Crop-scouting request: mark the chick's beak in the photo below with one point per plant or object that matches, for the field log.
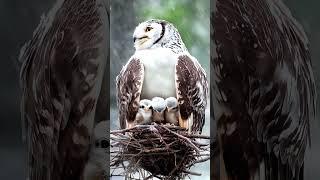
(170, 109)
(148, 108)
(134, 39)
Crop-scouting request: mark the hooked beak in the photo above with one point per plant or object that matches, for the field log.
(159, 110)
(171, 109)
(135, 38)
(148, 108)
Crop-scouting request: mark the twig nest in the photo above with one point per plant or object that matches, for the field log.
(164, 151)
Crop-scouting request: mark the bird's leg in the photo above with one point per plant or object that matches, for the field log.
(184, 123)
(190, 124)
(130, 125)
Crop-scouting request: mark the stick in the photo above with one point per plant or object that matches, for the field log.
(202, 160)
(186, 139)
(197, 136)
(192, 173)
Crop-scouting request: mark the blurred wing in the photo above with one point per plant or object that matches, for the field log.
(61, 77)
(192, 90)
(264, 81)
(129, 86)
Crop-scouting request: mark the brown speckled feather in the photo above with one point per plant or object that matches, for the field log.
(192, 91)
(129, 86)
(61, 77)
(264, 91)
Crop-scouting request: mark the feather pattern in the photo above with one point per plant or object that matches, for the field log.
(192, 90)
(61, 73)
(263, 84)
(129, 86)
(162, 67)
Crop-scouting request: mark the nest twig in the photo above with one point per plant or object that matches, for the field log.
(161, 151)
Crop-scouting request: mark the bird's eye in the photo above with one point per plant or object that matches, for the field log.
(151, 107)
(148, 29)
(142, 106)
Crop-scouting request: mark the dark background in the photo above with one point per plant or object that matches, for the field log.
(18, 19)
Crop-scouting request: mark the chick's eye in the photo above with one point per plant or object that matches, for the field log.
(142, 106)
(148, 29)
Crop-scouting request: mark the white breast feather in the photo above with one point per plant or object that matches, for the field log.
(159, 79)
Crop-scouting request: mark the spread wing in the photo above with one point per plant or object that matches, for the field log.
(129, 86)
(61, 77)
(264, 82)
(192, 90)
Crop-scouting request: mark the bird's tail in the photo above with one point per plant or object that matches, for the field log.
(272, 168)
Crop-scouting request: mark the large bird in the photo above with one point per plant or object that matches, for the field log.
(61, 76)
(162, 66)
(264, 90)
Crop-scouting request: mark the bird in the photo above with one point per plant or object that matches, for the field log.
(264, 90)
(144, 115)
(172, 111)
(162, 67)
(61, 73)
(159, 107)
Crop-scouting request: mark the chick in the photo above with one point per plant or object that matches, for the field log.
(172, 111)
(159, 106)
(144, 115)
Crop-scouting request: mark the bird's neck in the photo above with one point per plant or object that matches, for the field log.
(175, 46)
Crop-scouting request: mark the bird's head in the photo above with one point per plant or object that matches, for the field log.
(145, 105)
(158, 104)
(157, 33)
(172, 104)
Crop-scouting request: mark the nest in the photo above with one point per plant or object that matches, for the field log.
(161, 151)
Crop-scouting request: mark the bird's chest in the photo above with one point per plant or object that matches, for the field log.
(159, 74)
